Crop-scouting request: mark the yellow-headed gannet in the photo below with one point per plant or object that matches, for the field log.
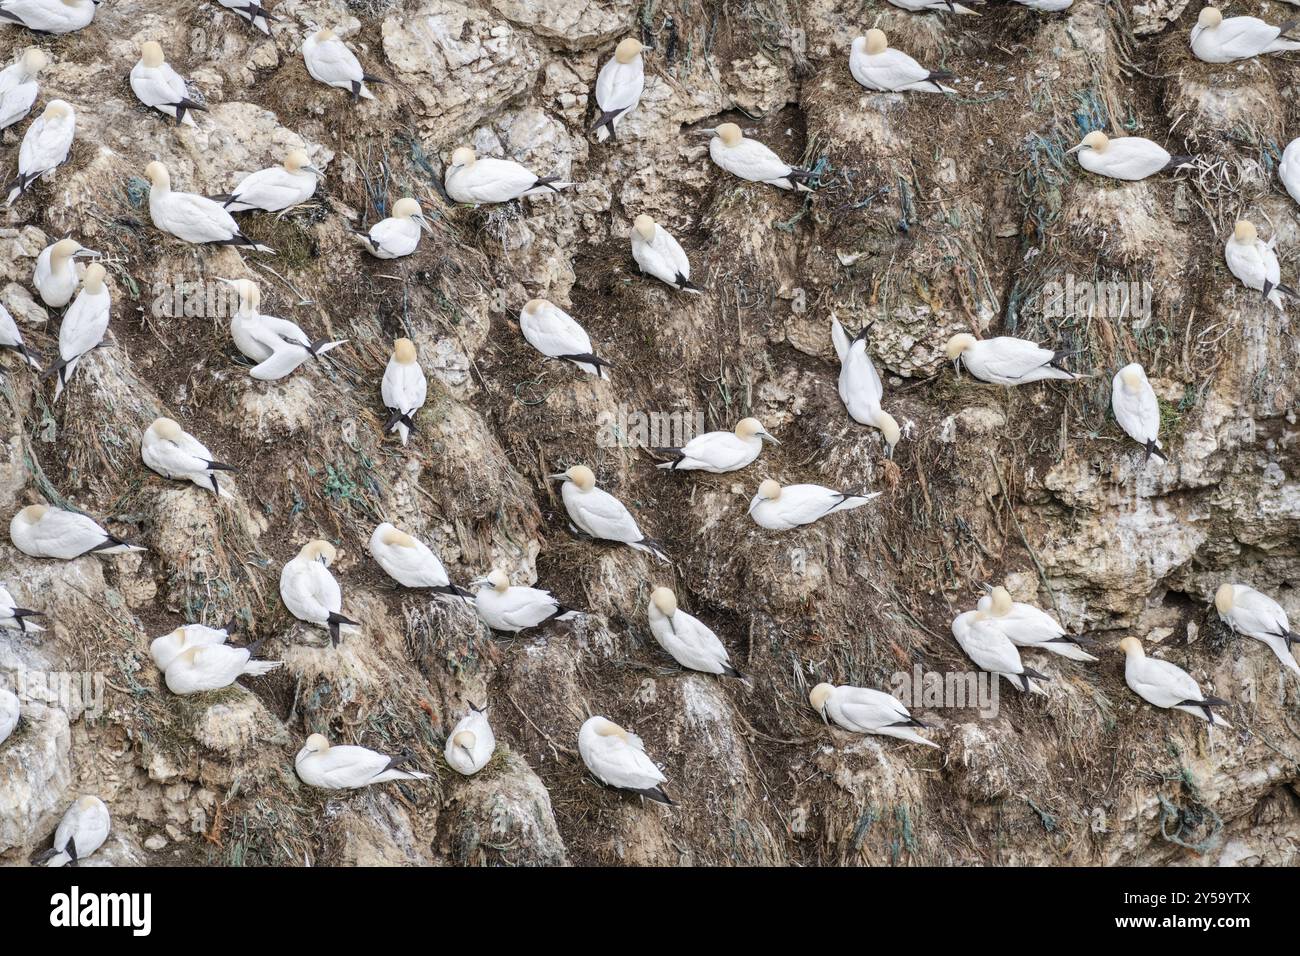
(344, 767)
(399, 234)
(278, 346)
(49, 16)
(617, 758)
(83, 327)
(1167, 685)
(556, 334)
(45, 532)
(503, 607)
(157, 85)
(719, 452)
(11, 337)
(618, 87)
(690, 642)
(1028, 626)
(749, 159)
(877, 67)
(252, 13)
(57, 273)
(174, 453)
(475, 181)
(471, 743)
(658, 254)
(599, 514)
(167, 648)
(310, 592)
(330, 61)
(1256, 615)
(1216, 40)
(18, 86)
(211, 667)
(45, 146)
(1136, 409)
(403, 389)
(9, 713)
(866, 711)
(410, 563)
(992, 651)
(276, 187)
(1253, 261)
(191, 217)
(81, 832)
(1125, 157)
(1007, 361)
(861, 390)
(939, 6)
(14, 617)
(780, 509)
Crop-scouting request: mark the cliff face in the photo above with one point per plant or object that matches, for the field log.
(937, 215)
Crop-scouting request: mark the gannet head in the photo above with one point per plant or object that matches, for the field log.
(605, 727)
(499, 581)
(1097, 141)
(889, 428)
(250, 296)
(158, 176)
(408, 208)
(1132, 376)
(748, 428)
(319, 550)
(404, 351)
(580, 475)
(1132, 647)
(190, 655)
(93, 280)
(1001, 600)
(665, 600)
(397, 538)
(818, 698)
(1244, 231)
(151, 53)
(463, 157)
(297, 161)
(323, 36)
(1225, 598)
(87, 803)
(645, 227)
(58, 109)
(729, 133)
(1209, 18)
(33, 513)
(63, 250)
(768, 490)
(316, 744)
(628, 50)
(877, 42)
(534, 306)
(957, 344)
(465, 740)
(166, 429)
(34, 60)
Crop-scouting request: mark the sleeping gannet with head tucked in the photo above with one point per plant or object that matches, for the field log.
(18, 86)
(157, 85)
(689, 641)
(14, 617)
(42, 531)
(1216, 40)
(618, 87)
(658, 254)
(58, 273)
(1125, 157)
(411, 563)
(278, 346)
(330, 61)
(310, 592)
(399, 234)
(938, 6)
(49, 16)
(403, 389)
(251, 12)
(83, 327)
(344, 767)
(11, 337)
(45, 146)
(719, 452)
(1007, 361)
(866, 711)
(503, 607)
(167, 648)
(9, 713)
(191, 217)
(749, 159)
(174, 453)
(861, 390)
(1167, 685)
(476, 181)
(205, 667)
(1288, 170)
(780, 509)
(1028, 626)
(1256, 615)
(617, 758)
(877, 67)
(471, 743)
(599, 514)
(556, 334)
(994, 652)
(1253, 261)
(276, 187)
(81, 832)
(1136, 408)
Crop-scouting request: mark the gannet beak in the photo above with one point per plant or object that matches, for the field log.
(84, 253)
(560, 477)
(706, 132)
(753, 504)
(478, 583)
(889, 451)
(314, 171)
(988, 588)
(825, 720)
(227, 281)
(423, 223)
(1074, 149)
(764, 436)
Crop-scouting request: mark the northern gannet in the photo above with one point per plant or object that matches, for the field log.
(14, 617)
(191, 217)
(749, 159)
(1253, 261)
(939, 6)
(310, 592)
(1028, 626)
(556, 334)
(9, 713)
(719, 452)
(42, 531)
(1167, 685)
(658, 254)
(1253, 614)
(617, 758)
(83, 327)
(81, 832)
(1136, 409)
(599, 514)
(1046, 6)
(1216, 40)
(330, 61)
(403, 389)
(471, 743)
(687, 640)
(167, 648)
(252, 13)
(513, 609)
(11, 337)
(1007, 361)
(174, 453)
(57, 273)
(157, 85)
(49, 16)
(1288, 170)
(207, 667)
(276, 187)
(276, 345)
(18, 86)
(877, 67)
(618, 87)
(866, 711)
(399, 234)
(475, 181)
(993, 652)
(411, 563)
(861, 390)
(45, 146)
(344, 767)
(780, 509)
(1125, 157)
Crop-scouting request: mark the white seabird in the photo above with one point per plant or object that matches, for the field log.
(719, 452)
(1046, 6)
(1028, 626)
(1007, 361)
(1136, 409)
(18, 86)
(866, 711)
(939, 6)
(780, 509)
(658, 254)
(1288, 169)
(513, 609)
(618, 87)
(1253, 614)
(1167, 685)
(278, 346)
(1253, 261)
(688, 641)
(191, 217)
(411, 563)
(58, 273)
(749, 159)
(476, 181)
(557, 335)
(157, 85)
(45, 146)
(167, 648)
(599, 514)
(471, 743)
(275, 188)
(49, 16)
(399, 234)
(83, 327)
(344, 767)
(171, 451)
(617, 758)
(205, 667)
(1216, 40)
(330, 61)
(9, 713)
(1125, 157)
(11, 337)
(81, 832)
(877, 67)
(861, 390)
(310, 592)
(403, 389)
(993, 652)
(16, 618)
(42, 531)
(252, 13)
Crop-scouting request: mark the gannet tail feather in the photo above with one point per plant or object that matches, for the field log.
(604, 125)
(589, 359)
(450, 590)
(652, 547)
(675, 453)
(655, 793)
(1176, 162)
(321, 346)
(1153, 448)
(729, 671)
(334, 621)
